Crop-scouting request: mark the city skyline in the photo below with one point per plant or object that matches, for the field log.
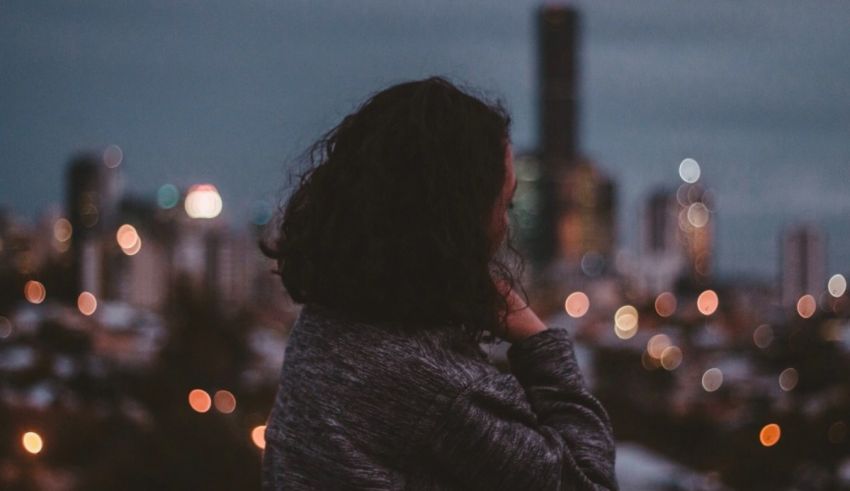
(658, 85)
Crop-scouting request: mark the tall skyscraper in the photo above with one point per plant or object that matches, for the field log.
(86, 204)
(558, 37)
(802, 259)
(662, 256)
(93, 191)
(586, 200)
(575, 229)
(676, 231)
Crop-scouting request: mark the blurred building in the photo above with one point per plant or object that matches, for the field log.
(585, 227)
(575, 220)
(93, 189)
(662, 255)
(141, 254)
(558, 31)
(675, 238)
(136, 250)
(696, 222)
(802, 258)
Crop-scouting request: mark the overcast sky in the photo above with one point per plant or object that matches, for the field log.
(228, 92)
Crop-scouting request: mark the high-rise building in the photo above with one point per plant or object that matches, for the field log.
(586, 201)
(662, 256)
(86, 204)
(558, 37)
(575, 226)
(676, 230)
(140, 268)
(802, 259)
(696, 223)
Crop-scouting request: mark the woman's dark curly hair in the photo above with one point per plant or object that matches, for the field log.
(390, 223)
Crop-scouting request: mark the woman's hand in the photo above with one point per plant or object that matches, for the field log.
(522, 322)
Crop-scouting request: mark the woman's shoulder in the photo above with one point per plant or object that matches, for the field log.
(439, 357)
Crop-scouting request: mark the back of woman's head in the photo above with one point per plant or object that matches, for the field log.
(391, 221)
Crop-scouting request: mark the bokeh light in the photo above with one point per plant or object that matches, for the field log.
(837, 432)
(32, 442)
(656, 345)
(261, 212)
(34, 291)
(806, 306)
(665, 304)
(127, 236)
(671, 357)
(698, 215)
(87, 303)
(592, 263)
(5, 327)
(707, 302)
(577, 304)
(199, 400)
(626, 322)
(837, 285)
(258, 436)
(689, 170)
(113, 156)
(788, 379)
(648, 361)
(128, 239)
(763, 336)
(225, 401)
(769, 434)
(62, 230)
(712, 379)
(203, 201)
(167, 196)
(89, 215)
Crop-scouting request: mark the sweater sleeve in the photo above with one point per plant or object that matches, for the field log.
(535, 428)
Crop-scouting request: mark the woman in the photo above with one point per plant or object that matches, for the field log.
(391, 244)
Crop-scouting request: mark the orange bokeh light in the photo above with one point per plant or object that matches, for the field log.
(707, 302)
(577, 304)
(34, 291)
(258, 436)
(769, 434)
(87, 303)
(200, 400)
(32, 442)
(806, 306)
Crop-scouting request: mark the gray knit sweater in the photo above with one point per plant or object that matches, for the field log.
(369, 406)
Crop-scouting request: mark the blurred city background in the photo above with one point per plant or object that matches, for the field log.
(683, 204)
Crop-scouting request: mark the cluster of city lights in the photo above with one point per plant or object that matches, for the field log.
(224, 402)
(661, 352)
(577, 304)
(200, 401)
(35, 293)
(202, 201)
